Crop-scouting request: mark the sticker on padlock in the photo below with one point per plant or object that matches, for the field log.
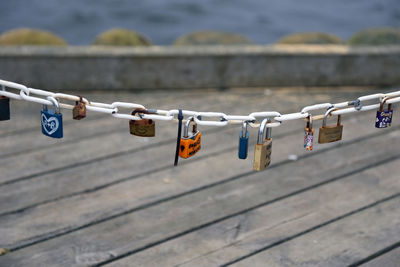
(190, 143)
(243, 142)
(263, 148)
(79, 111)
(4, 108)
(384, 116)
(52, 124)
(330, 133)
(143, 127)
(309, 134)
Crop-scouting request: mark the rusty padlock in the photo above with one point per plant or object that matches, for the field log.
(143, 127)
(79, 111)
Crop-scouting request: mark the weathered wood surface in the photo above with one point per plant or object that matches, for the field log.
(388, 259)
(263, 227)
(338, 243)
(101, 196)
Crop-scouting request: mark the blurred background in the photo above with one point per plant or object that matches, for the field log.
(262, 21)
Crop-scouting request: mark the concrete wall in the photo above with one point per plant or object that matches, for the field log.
(198, 67)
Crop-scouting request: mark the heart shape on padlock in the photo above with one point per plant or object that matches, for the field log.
(50, 125)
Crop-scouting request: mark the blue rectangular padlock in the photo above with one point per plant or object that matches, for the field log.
(52, 124)
(383, 118)
(243, 142)
(243, 145)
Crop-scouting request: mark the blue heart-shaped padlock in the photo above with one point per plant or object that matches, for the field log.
(52, 124)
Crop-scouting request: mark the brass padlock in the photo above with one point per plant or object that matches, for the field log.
(79, 111)
(143, 127)
(190, 144)
(263, 148)
(330, 133)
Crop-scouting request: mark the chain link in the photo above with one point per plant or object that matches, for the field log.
(222, 119)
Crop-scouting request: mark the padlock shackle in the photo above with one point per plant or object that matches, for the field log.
(140, 110)
(55, 103)
(329, 113)
(260, 138)
(244, 129)
(186, 127)
(309, 124)
(80, 100)
(383, 102)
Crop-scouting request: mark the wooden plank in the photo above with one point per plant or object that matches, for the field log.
(389, 259)
(21, 195)
(338, 244)
(124, 234)
(120, 167)
(242, 235)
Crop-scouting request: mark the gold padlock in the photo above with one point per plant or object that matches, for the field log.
(263, 148)
(330, 133)
(143, 127)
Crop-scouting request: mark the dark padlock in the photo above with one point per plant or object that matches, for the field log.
(52, 124)
(143, 127)
(243, 141)
(79, 111)
(4, 108)
(384, 116)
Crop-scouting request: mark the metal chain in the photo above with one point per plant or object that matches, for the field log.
(222, 119)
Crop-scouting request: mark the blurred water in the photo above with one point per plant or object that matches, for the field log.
(263, 21)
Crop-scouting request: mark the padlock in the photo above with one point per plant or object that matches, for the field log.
(309, 134)
(384, 117)
(330, 133)
(52, 124)
(4, 108)
(263, 148)
(79, 111)
(143, 127)
(243, 141)
(190, 143)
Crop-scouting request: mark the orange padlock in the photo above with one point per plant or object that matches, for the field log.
(190, 144)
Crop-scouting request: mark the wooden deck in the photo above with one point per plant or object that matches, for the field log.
(100, 196)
